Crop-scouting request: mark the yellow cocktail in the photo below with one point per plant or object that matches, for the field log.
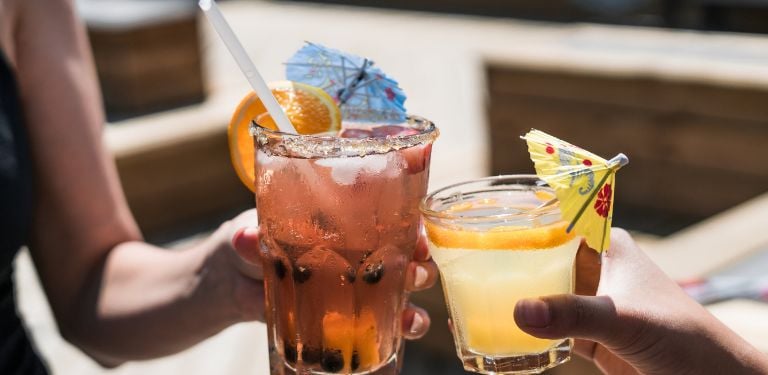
(495, 242)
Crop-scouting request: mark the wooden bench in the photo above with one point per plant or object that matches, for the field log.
(147, 54)
(175, 169)
(696, 148)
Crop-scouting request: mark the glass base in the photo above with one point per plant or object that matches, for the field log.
(278, 366)
(519, 364)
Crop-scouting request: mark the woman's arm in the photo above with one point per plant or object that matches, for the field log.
(112, 295)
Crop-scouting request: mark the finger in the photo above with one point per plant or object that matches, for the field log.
(584, 348)
(246, 244)
(420, 275)
(250, 267)
(421, 254)
(415, 323)
(568, 315)
(587, 270)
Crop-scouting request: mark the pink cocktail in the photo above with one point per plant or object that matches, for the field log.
(340, 220)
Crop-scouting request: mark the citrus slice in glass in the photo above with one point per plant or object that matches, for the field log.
(499, 238)
(310, 109)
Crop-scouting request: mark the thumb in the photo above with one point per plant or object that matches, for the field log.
(246, 244)
(568, 315)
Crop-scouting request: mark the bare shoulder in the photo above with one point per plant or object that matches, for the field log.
(40, 4)
(9, 14)
(47, 31)
(16, 16)
(50, 10)
(42, 16)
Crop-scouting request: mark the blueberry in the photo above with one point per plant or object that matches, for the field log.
(301, 274)
(280, 269)
(333, 360)
(373, 273)
(311, 355)
(350, 275)
(355, 361)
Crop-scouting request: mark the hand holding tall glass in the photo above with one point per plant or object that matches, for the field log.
(338, 210)
(498, 240)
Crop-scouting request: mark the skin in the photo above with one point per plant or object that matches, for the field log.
(114, 296)
(633, 319)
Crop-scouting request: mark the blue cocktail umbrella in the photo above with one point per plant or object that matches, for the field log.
(364, 93)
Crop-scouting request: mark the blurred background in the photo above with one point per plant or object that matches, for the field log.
(680, 86)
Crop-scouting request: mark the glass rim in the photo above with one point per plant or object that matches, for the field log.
(544, 209)
(327, 146)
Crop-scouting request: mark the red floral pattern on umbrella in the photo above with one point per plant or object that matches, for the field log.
(603, 201)
(583, 182)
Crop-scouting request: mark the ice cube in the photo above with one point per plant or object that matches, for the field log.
(374, 163)
(268, 166)
(346, 170)
(267, 161)
(343, 170)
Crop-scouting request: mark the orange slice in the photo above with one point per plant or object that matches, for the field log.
(366, 340)
(499, 238)
(310, 109)
(353, 337)
(338, 334)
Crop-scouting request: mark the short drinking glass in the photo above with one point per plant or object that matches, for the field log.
(497, 240)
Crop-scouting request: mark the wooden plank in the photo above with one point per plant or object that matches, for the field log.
(182, 184)
(634, 91)
(715, 243)
(151, 67)
(552, 10)
(693, 139)
(685, 165)
(138, 57)
(683, 191)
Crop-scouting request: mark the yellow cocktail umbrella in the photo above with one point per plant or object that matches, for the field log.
(583, 182)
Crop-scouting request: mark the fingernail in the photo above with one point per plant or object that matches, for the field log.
(421, 277)
(417, 324)
(251, 231)
(533, 313)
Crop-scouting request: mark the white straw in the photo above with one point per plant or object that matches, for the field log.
(246, 65)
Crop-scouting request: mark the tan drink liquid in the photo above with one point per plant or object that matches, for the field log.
(340, 220)
(485, 284)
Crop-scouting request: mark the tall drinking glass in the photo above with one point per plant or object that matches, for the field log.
(340, 220)
(495, 242)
